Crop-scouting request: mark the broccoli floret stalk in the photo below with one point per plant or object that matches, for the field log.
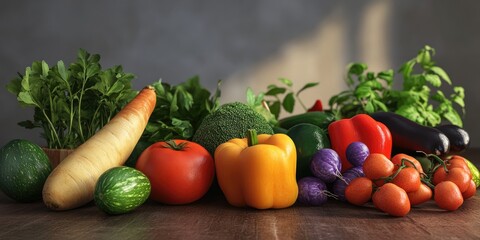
(231, 120)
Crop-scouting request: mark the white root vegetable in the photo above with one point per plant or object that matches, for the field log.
(72, 183)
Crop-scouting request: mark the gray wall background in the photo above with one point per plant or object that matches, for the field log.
(244, 43)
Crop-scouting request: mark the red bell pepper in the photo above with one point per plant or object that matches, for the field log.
(360, 128)
(317, 106)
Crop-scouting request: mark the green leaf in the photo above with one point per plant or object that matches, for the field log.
(26, 80)
(184, 98)
(369, 108)
(159, 88)
(116, 88)
(407, 68)
(28, 124)
(372, 84)
(453, 117)
(424, 57)
(387, 76)
(307, 86)
(356, 68)
(363, 92)
(459, 91)
(275, 91)
(459, 101)
(288, 102)
(341, 98)
(250, 97)
(441, 73)
(433, 79)
(259, 99)
(440, 95)
(62, 71)
(379, 105)
(45, 69)
(275, 108)
(15, 86)
(286, 81)
(26, 98)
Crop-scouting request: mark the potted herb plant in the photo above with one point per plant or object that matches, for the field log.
(71, 103)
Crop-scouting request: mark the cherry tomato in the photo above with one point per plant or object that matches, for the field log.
(459, 177)
(377, 166)
(409, 162)
(391, 199)
(447, 196)
(458, 162)
(359, 191)
(408, 179)
(439, 175)
(471, 190)
(423, 194)
(177, 175)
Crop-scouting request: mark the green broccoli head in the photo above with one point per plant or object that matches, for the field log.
(231, 120)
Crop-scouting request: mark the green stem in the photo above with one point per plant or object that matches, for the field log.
(92, 130)
(53, 132)
(80, 114)
(427, 182)
(174, 146)
(301, 103)
(252, 137)
(52, 128)
(69, 137)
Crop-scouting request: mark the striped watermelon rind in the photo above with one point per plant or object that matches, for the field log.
(121, 190)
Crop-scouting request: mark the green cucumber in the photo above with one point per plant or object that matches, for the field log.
(121, 189)
(320, 119)
(24, 168)
(474, 171)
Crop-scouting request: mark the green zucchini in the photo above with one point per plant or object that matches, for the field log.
(24, 168)
(121, 189)
(320, 119)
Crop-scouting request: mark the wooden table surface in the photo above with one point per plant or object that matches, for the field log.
(213, 218)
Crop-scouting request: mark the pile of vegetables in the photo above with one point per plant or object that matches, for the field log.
(173, 143)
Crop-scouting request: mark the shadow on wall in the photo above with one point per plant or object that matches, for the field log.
(322, 55)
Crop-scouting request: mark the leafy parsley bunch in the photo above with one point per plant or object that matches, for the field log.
(420, 98)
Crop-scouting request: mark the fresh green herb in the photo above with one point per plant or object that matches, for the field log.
(71, 104)
(276, 99)
(420, 98)
(179, 110)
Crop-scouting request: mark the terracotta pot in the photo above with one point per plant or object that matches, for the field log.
(56, 155)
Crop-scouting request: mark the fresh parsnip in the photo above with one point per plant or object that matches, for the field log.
(72, 183)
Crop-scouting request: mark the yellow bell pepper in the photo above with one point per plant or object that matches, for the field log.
(258, 171)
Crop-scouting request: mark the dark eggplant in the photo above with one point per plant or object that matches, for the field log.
(410, 137)
(459, 138)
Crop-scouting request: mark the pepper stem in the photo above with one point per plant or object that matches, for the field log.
(252, 137)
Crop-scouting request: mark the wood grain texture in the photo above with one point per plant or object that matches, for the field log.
(213, 218)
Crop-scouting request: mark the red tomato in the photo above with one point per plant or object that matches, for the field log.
(447, 196)
(459, 177)
(408, 160)
(377, 166)
(458, 162)
(177, 176)
(359, 191)
(471, 190)
(408, 179)
(391, 199)
(423, 194)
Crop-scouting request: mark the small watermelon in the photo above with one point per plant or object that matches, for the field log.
(121, 189)
(24, 168)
